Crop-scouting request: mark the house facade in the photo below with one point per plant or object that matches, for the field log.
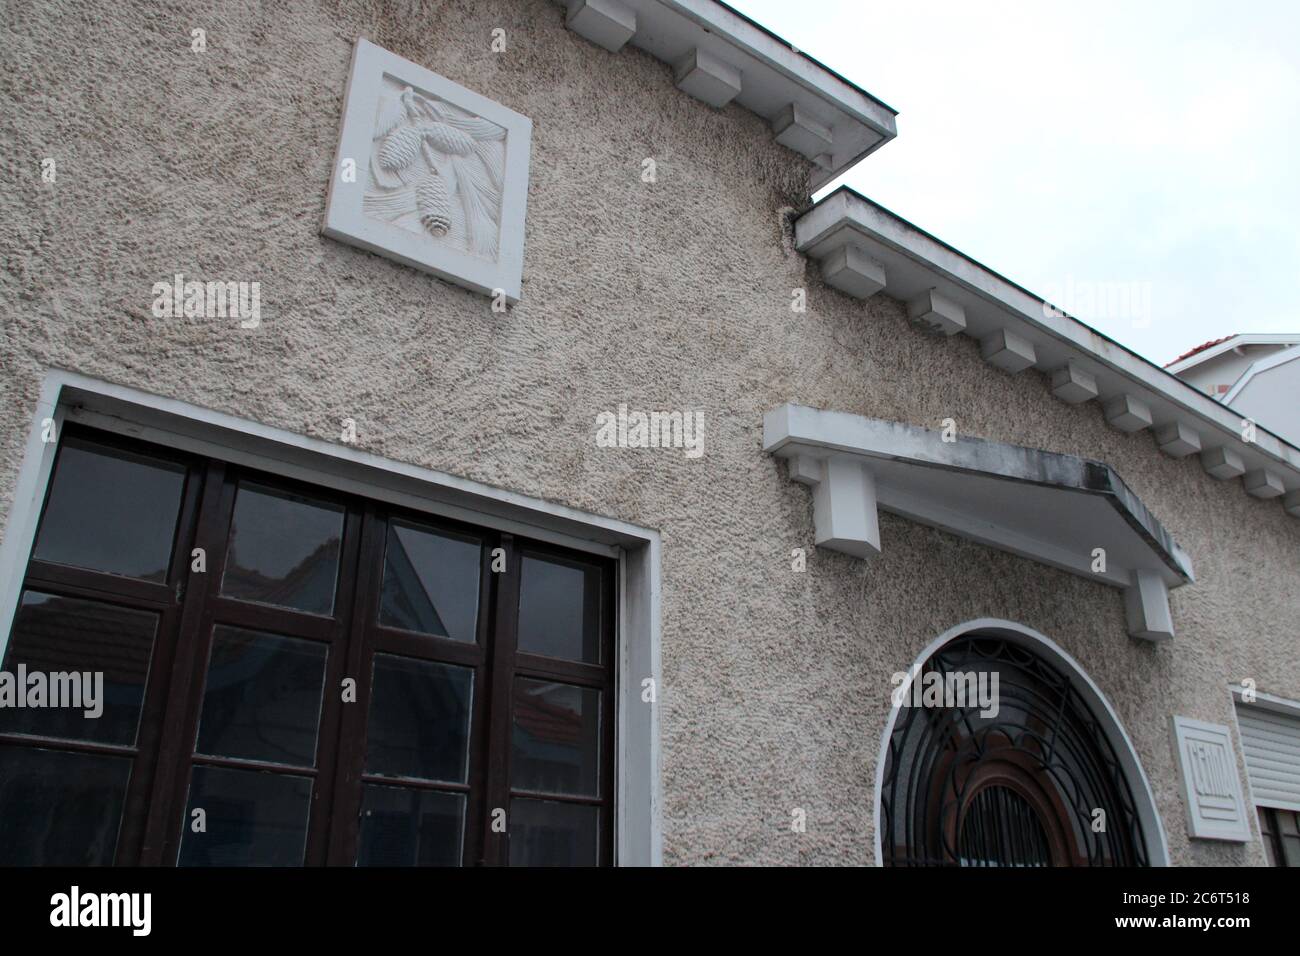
(553, 481)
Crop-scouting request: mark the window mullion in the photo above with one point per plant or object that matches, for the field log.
(153, 725)
(350, 758)
(501, 668)
(351, 603)
(477, 817)
(173, 750)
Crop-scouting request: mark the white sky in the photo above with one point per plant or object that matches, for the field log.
(1147, 146)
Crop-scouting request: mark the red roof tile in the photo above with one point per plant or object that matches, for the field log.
(1200, 348)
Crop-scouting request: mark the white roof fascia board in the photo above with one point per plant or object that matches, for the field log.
(914, 260)
(1227, 345)
(773, 75)
(1263, 365)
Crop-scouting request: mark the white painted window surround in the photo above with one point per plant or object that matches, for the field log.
(70, 397)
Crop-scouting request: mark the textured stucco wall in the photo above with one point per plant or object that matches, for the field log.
(669, 295)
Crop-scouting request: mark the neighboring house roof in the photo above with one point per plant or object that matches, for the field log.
(1215, 348)
(719, 55)
(1263, 365)
(1200, 348)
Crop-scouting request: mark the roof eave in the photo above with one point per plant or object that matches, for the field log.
(720, 56)
(865, 248)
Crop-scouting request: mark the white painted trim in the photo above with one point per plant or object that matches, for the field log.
(1263, 365)
(992, 303)
(769, 74)
(29, 495)
(1157, 845)
(175, 423)
(1252, 818)
(1231, 342)
(1281, 705)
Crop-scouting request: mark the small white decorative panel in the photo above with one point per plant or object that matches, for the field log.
(1211, 787)
(431, 174)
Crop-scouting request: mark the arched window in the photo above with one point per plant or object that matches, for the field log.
(1032, 780)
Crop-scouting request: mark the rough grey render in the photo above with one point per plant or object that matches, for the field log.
(670, 295)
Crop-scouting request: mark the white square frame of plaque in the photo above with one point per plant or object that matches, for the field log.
(459, 140)
(1207, 764)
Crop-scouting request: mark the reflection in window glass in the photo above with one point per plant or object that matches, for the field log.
(430, 582)
(556, 738)
(550, 833)
(1288, 827)
(559, 609)
(252, 818)
(70, 641)
(262, 698)
(284, 550)
(405, 827)
(419, 719)
(60, 809)
(111, 510)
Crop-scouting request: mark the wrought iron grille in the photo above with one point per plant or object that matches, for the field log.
(1000, 828)
(1036, 784)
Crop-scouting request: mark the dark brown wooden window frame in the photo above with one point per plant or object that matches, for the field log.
(1271, 832)
(190, 606)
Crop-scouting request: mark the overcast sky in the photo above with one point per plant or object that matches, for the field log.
(1104, 148)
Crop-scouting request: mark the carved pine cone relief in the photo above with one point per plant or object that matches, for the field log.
(448, 139)
(400, 148)
(434, 204)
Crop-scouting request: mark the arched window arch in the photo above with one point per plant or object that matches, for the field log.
(1019, 784)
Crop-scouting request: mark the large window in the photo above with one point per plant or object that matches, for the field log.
(295, 676)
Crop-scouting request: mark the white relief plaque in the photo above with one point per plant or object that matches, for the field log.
(1211, 787)
(431, 174)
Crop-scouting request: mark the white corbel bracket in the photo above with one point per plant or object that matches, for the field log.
(1146, 607)
(1058, 510)
(844, 503)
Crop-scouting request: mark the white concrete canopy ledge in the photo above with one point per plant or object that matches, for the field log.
(1067, 512)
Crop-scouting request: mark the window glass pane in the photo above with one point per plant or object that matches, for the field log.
(430, 582)
(559, 609)
(1287, 823)
(403, 827)
(262, 697)
(1291, 851)
(550, 833)
(112, 511)
(419, 719)
(284, 550)
(252, 818)
(83, 656)
(556, 738)
(60, 809)
(1265, 827)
